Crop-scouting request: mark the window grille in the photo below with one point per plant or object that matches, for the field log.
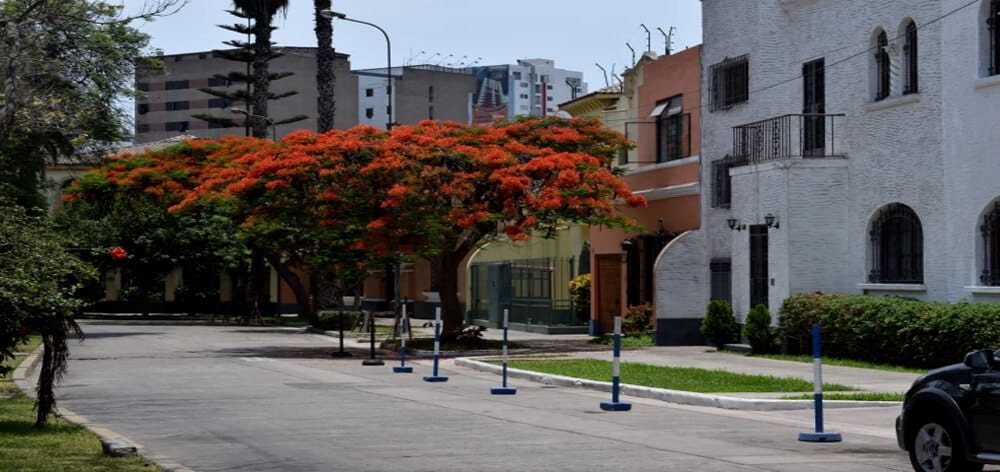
(910, 52)
(897, 246)
(881, 67)
(730, 82)
(722, 182)
(993, 28)
(990, 229)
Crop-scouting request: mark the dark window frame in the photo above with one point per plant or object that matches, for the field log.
(671, 131)
(219, 103)
(142, 108)
(722, 194)
(177, 106)
(369, 92)
(993, 30)
(990, 230)
(177, 84)
(910, 50)
(730, 82)
(882, 66)
(897, 245)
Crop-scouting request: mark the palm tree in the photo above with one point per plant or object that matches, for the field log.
(325, 78)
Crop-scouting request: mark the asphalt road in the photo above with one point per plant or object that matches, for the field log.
(257, 399)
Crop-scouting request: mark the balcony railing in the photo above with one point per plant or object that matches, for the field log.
(792, 136)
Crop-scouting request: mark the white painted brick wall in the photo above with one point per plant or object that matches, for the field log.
(681, 279)
(936, 151)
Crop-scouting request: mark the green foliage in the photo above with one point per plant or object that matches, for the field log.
(758, 331)
(889, 330)
(332, 320)
(719, 325)
(39, 280)
(579, 295)
(638, 319)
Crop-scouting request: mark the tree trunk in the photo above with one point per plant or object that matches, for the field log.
(261, 81)
(302, 299)
(453, 319)
(325, 78)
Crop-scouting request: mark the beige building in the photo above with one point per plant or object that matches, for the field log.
(173, 95)
(422, 92)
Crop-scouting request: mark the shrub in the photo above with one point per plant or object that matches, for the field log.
(579, 295)
(719, 325)
(890, 330)
(638, 319)
(330, 320)
(758, 331)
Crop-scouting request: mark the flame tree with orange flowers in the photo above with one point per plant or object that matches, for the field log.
(364, 197)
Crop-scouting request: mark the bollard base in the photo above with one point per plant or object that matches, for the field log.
(819, 437)
(399, 369)
(616, 406)
(435, 378)
(372, 362)
(503, 390)
(340, 354)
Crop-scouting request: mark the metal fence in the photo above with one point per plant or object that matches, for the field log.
(535, 290)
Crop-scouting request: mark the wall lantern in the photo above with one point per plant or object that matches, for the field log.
(771, 220)
(735, 224)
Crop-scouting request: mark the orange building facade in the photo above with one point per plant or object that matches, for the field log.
(663, 121)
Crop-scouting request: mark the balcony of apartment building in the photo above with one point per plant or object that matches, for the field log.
(791, 136)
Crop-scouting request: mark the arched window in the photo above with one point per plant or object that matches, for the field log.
(910, 55)
(990, 229)
(897, 243)
(993, 36)
(881, 66)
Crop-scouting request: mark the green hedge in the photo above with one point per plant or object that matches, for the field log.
(890, 330)
(329, 320)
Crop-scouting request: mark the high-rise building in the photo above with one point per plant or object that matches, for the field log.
(419, 92)
(530, 87)
(173, 95)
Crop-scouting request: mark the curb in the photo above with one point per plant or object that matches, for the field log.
(671, 396)
(111, 443)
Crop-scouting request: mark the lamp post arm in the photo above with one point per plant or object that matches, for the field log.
(388, 60)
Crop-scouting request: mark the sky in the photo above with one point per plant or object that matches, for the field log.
(575, 33)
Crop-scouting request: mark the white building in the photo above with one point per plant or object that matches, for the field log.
(539, 87)
(865, 133)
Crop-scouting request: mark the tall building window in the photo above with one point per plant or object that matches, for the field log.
(218, 103)
(142, 128)
(218, 82)
(181, 126)
(881, 66)
(910, 55)
(142, 108)
(177, 84)
(143, 86)
(369, 92)
(990, 230)
(897, 246)
(730, 82)
(369, 113)
(173, 106)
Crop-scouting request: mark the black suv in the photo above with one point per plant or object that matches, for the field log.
(951, 416)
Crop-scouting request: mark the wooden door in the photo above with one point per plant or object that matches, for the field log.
(609, 291)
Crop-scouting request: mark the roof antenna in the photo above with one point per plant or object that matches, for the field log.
(606, 83)
(633, 52)
(615, 77)
(648, 37)
(667, 39)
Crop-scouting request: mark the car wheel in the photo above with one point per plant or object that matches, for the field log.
(936, 448)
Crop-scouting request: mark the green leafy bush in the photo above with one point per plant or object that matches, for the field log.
(758, 331)
(890, 330)
(579, 295)
(638, 319)
(719, 325)
(330, 320)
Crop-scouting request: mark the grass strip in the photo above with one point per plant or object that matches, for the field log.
(838, 362)
(60, 447)
(674, 378)
(858, 397)
(637, 340)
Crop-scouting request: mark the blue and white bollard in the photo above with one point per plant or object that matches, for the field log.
(818, 435)
(437, 348)
(614, 404)
(504, 389)
(402, 367)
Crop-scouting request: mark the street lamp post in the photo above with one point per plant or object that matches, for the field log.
(388, 55)
(269, 121)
